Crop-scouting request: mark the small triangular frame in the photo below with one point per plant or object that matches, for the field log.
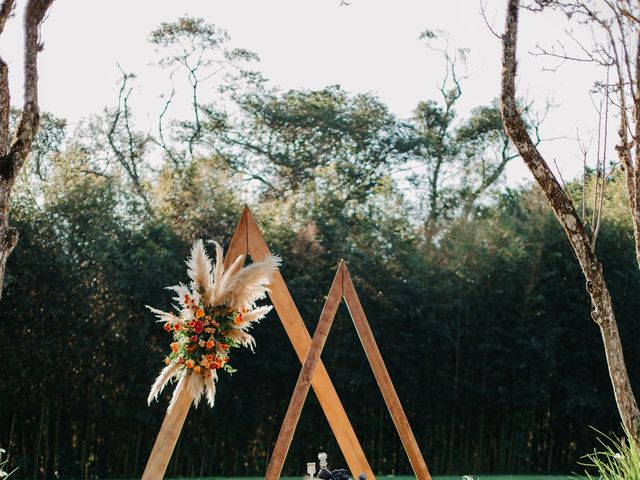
(342, 288)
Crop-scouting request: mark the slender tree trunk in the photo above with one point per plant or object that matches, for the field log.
(564, 210)
(13, 153)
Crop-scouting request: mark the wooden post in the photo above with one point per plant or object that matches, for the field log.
(383, 379)
(301, 341)
(304, 379)
(167, 438)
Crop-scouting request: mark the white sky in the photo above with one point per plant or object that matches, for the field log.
(369, 46)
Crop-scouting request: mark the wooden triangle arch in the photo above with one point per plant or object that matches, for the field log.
(248, 240)
(342, 288)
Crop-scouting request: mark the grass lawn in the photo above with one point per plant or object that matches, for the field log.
(391, 477)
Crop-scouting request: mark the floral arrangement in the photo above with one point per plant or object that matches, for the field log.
(212, 317)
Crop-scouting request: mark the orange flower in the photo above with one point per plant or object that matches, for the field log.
(196, 369)
(224, 346)
(238, 320)
(167, 361)
(194, 338)
(210, 344)
(190, 363)
(175, 346)
(176, 327)
(200, 313)
(209, 358)
(167, 327)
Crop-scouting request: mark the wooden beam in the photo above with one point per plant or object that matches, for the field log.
(239, 244)
(303, 384)
(384, 380)
(167, 438)
(301, 341)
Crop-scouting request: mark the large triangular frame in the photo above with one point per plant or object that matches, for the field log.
(248, 240)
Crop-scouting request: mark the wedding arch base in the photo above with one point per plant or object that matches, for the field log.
(248, 240)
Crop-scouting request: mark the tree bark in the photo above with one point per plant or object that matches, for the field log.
(13, 154)
(564, 210)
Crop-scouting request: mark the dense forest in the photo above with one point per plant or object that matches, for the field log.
(472, 291)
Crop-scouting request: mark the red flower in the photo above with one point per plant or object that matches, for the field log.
(194, 338)
(198, 326)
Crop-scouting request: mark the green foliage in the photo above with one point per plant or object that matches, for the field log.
(486, 335)
(483, 320)
(346, 143)
(620, 459)
(192, 36)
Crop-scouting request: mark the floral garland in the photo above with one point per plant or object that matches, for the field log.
(212, 317)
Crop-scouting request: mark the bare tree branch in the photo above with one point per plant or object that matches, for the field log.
(128, 156)
(483, 13)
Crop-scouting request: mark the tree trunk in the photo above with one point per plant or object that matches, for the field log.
(13, 154)
(564, 210)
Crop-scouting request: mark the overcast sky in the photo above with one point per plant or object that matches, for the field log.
(368, 46)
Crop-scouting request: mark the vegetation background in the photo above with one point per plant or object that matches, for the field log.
(473, 293)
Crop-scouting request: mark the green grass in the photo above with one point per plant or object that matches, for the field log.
(450, 477)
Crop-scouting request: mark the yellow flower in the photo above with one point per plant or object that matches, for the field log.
(200, 313)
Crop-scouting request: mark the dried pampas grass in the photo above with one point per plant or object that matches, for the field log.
(213, 313)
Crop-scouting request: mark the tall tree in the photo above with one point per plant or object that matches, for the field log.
(200, 51)
(582, 243)
(14, 152)
(461, 160)
(285, 141)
